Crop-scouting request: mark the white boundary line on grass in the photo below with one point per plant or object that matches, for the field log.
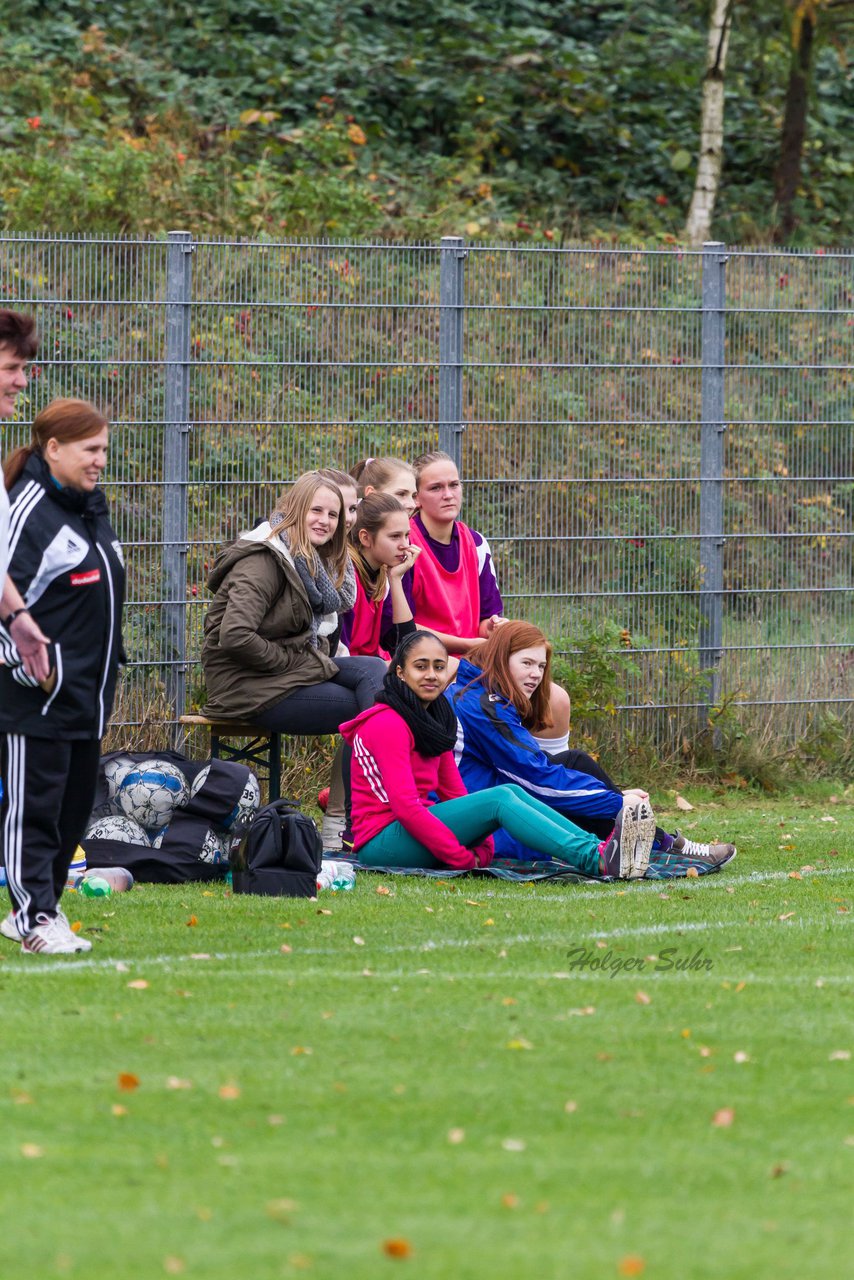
(427, 948)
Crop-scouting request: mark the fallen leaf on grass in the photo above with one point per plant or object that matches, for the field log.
(127, 1081)
(324, 911)
(489, 921)
(723, 1118)
(642, 998)
(683, 804)
(176, 1082)
(192, 922)
(228, 1092)
(570, 1106)
(795, 875)
(285, 949)
(21, 1098)
(385, 892)
(77, 926)
(839, 1055)
(586, 1011)
(118, 1110)
(360, 942)
(741, 1056)
(397, 1248)
(509, 1200)
(138, 984)
(456, 1136)
(692, 873)
(786, 916)
(470, 902)
(631, 1265)
(280, 1210)
(32, 1151)
(174, 1266)
(519, 1043)
(508, 1000)
(299, 1049)
(779, 1169)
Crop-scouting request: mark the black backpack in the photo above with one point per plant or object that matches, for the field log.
(277, 853)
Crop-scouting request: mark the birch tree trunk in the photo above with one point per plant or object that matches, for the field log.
(699, 222)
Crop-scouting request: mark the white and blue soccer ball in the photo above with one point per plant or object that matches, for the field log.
(115, 772)
(215, 848)
(247, 805)
(199, 780)
(124, 830)
(151, 792)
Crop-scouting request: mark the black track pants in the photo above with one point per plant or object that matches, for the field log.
(49, 789)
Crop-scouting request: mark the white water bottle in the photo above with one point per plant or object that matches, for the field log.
(326, 874)
(345, 876)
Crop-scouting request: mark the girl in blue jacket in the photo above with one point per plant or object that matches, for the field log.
(496, 701)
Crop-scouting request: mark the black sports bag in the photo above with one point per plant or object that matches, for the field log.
(276, 853)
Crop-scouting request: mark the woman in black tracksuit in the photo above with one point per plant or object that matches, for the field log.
(66, 561)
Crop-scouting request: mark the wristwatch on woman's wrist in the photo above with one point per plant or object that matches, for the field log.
(16, 613)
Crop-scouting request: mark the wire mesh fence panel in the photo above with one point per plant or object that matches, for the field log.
(651, 460)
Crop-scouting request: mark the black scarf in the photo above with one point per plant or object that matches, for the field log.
(433, 724)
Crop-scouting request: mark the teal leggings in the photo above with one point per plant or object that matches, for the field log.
(472, 818)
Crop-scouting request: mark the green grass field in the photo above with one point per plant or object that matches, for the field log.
(434, 1081)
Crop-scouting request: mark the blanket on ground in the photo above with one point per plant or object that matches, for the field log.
(662, 866)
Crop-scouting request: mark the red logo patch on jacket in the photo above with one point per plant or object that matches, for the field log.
(84, 579)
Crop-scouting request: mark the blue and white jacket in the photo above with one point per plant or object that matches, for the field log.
(494, 748)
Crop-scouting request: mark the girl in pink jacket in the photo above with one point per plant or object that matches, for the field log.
(402, 756)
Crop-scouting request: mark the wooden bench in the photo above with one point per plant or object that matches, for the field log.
(258, 746)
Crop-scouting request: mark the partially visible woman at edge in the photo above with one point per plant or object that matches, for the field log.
(278, 591)
(496, 696)
(454, 587)
(403, 756)
(67, 564)
(382, 555)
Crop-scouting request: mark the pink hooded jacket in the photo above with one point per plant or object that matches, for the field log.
(391, 782)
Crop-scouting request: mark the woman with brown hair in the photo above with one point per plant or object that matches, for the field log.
(497, 698)
(66, 561)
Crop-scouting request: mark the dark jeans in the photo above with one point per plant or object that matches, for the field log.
(321, 708)
(583, 763)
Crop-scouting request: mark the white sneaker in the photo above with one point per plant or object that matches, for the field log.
(52, 936)
(9, 929)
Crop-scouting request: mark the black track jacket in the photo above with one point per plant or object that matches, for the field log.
(66, 561)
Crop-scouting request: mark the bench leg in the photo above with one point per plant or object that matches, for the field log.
(274, 780)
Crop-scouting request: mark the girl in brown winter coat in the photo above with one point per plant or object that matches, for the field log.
(277, 592)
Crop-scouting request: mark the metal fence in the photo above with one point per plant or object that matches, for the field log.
(657, 443)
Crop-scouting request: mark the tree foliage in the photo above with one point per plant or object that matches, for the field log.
(507, 116)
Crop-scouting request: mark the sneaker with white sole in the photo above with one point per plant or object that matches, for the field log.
(9, 929)
(52, 936)
(713, 855)
(625, 854)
